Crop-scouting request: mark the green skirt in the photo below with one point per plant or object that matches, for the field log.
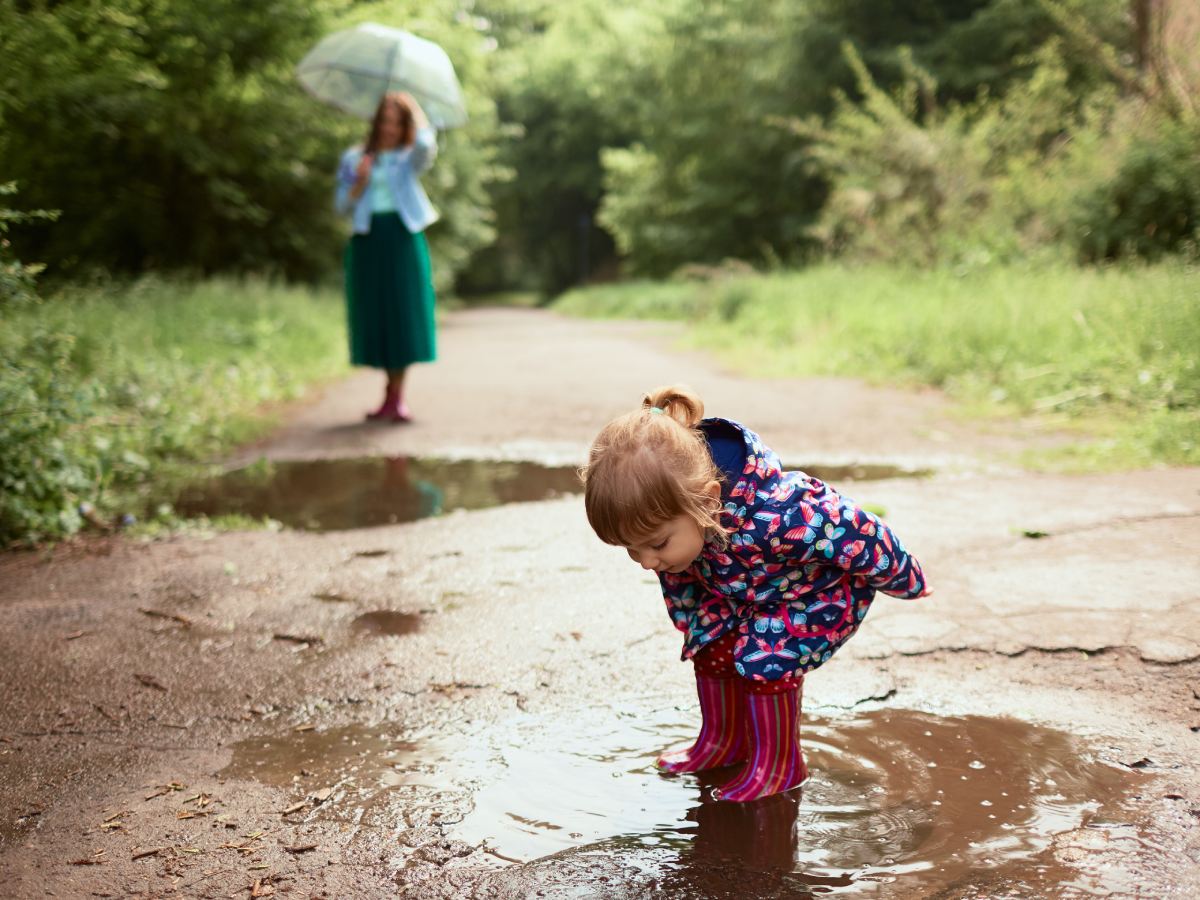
(389, 296)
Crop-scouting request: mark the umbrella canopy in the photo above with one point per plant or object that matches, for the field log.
(353, 69)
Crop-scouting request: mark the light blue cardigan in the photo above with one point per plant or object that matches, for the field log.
(414, 208)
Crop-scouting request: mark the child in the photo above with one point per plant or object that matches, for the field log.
(765, 572)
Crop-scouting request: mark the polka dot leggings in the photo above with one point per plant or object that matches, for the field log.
(715, 660)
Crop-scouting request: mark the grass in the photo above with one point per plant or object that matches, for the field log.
(109, 393)
(1112, 352)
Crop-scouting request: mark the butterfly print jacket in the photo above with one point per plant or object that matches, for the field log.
(801, 569)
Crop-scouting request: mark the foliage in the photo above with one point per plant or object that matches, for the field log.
(565, 88)
(16, 278)
(169, 132)
(1113, 348)
(106, 391)
(173, 136)
(1038, 171)
(1151, 206)
(916, 182)
(708, 178)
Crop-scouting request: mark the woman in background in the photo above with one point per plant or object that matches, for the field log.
(389, 288)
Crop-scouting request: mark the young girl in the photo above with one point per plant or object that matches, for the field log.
(389, 289)
(767, 573)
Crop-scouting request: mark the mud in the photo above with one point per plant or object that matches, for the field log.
(468, 704)
(386, 622)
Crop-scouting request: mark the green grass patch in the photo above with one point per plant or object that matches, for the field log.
(109, 394)
(1112, 351)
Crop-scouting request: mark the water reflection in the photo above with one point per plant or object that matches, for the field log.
(333, 495)
(898, 799)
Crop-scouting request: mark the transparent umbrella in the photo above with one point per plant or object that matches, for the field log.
(353, 69)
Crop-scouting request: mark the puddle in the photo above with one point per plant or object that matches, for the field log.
(386, 622)
(897, 798)
(339, 494)
(859, 472)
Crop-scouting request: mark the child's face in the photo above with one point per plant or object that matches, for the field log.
(671, 547)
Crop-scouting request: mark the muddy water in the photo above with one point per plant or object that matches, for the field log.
(898, 801)
(337, 494)
(386, 622)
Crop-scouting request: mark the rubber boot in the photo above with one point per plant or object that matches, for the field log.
(776, 763)
(391, 399)
(722, 739)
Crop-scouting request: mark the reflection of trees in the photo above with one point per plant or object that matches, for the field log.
(338, 494)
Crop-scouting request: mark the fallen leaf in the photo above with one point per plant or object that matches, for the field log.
(295, 807)
(166, 789)
(152, 852)
(75, 634)
(299, 638)
(333, 597)
(158, 614)
(307, 727)
(150, 681)
(301, 848)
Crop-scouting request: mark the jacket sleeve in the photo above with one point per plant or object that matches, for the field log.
(834, 532)
(424, 150)
(342, 201)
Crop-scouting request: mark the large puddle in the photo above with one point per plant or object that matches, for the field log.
(338, 494)
(898, 801)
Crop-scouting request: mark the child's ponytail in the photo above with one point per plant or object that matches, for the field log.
(680, 403)
(643, 470)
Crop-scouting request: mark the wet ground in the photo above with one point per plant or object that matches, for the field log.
(468, 704)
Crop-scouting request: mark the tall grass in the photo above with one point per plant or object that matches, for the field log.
(106, 391)
(1116, 349)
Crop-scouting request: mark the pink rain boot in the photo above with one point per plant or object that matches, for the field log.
(393, 409)
(391, 397)
(776, 762)
(722, 740)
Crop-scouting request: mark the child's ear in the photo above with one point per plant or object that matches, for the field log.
(713, 489)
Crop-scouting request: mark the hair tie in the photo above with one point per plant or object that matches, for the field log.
(656, 410)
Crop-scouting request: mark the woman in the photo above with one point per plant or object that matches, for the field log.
(389, 291)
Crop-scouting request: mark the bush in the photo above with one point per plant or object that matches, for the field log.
(16, 278)
(108, 393)
(48, 468)
(1151, 207)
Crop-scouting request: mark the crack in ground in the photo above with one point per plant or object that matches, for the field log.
(1013, 654)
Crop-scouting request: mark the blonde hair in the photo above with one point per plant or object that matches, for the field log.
(649, 466)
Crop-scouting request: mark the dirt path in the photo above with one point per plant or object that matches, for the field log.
(407, 709)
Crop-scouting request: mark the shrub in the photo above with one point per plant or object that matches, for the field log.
(1151, 207)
